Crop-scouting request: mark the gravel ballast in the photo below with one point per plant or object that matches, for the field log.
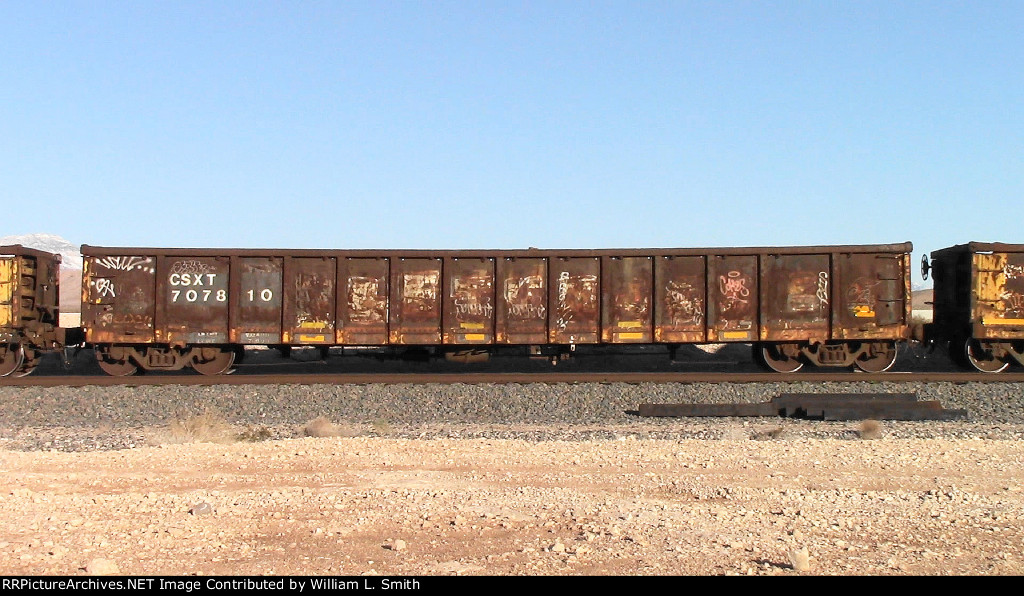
(120, 417)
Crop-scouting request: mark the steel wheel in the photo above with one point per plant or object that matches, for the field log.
(981, 358)
(771, 356)
(11, 358)
(880, 358)
(115, 367)
(213, 361)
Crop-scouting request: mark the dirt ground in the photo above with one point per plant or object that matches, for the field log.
(365, 505)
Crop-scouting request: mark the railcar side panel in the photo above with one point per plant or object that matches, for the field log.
(363, 301)
(871, 296)
(256, 300)
(469, 301)
(680, 299)
(119, 298)
(798, 296)
(574, 313)
(997, 295)
(309, 300)
(416, 301)
(795, 297)
(732, 298)
(627, 309)
(522, 301)
(192, 300)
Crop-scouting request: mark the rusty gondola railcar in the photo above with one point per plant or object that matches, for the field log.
(173, 308)
(978, 304)
(29, 307)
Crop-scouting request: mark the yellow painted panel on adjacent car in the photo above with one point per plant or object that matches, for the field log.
(991, 278)
(8, 275)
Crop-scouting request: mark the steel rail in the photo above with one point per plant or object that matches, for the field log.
(476, 378)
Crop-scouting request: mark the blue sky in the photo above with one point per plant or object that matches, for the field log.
(512, 124)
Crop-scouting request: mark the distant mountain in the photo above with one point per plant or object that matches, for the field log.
(71, 256)
(70, 266)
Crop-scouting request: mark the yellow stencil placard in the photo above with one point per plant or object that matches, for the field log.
(735, 334)
(987, 321)
(863, 311)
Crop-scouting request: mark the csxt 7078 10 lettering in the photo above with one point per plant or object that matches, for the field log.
(173, 308)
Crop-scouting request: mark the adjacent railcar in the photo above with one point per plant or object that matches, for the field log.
(29, 310)
(978, 303)
(171, 308)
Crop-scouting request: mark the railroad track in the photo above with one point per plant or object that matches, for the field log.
(475, 378)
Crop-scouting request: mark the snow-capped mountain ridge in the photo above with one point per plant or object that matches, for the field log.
(71, 256)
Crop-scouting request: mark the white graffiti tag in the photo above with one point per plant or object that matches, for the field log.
(684, 304)
(734, 286)
(124, 263)
(105, 288)
(190, 267)
(823, 287)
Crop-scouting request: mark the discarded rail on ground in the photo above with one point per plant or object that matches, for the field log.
(818, 406)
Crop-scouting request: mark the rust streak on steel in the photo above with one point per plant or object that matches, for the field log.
(505, 378)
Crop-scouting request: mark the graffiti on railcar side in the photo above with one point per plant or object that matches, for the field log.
(190, 267)
(105, 287)
(807, 292)
(1013, 305)
(634, 303)
(126, 263)
(861, 297)
(734, 290)
(684, 303)
(365, 302)
(472, 296)
(1013, 289)
(313, 300)
(577, 295)
(420, 291)
(525, 297)
(141, 319)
